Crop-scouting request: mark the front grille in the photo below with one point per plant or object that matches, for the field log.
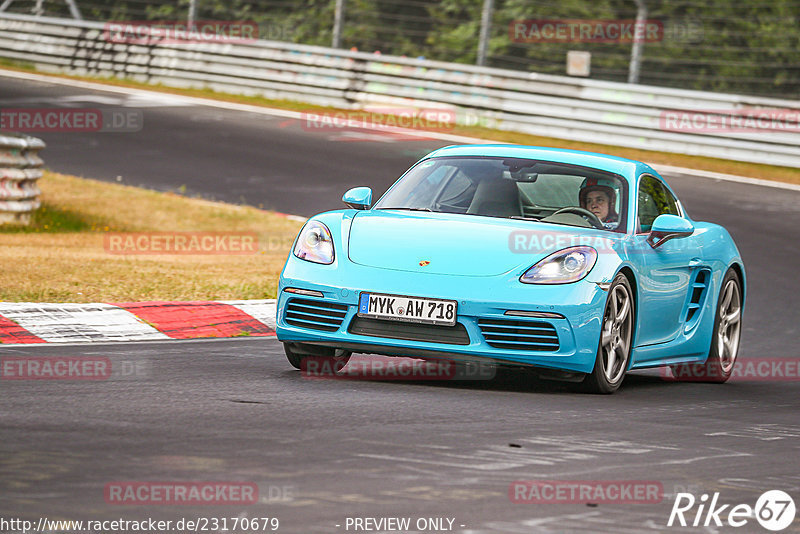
(453, 335)
(517, 334)
(315, 314)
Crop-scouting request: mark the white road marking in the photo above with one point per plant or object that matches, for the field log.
(88, 98)
(698, 458)
(765, 432)
(544, 451)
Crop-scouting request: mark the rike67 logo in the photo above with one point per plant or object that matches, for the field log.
(774, 510)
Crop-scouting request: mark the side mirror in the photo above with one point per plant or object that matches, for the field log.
(358, 198)
(667, 227)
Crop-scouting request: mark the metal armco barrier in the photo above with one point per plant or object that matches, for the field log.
(20, 168)
(552, 106)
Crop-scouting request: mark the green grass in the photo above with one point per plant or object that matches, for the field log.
(55, 219)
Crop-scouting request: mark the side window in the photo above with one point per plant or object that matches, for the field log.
(654, 200)
(672, 203)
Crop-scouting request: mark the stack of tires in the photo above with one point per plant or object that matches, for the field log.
(20, 168)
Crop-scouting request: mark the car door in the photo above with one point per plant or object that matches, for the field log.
(666, 272)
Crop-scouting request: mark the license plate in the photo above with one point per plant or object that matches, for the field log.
(409, 309)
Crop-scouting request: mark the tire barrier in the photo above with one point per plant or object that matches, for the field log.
(20, 169)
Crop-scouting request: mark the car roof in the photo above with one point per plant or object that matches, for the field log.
(627, 168)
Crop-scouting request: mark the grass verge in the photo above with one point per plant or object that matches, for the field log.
(62, 256)
(753, 170)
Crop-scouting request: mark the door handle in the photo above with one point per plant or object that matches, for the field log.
(695, 262)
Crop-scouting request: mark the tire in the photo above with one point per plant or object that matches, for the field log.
(616, 339)
(296, 353)
(725, 337)
(295, 359)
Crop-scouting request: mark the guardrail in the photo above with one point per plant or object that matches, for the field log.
(551, 106)
(20, 168)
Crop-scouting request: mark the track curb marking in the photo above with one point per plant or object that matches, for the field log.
(27, 323)
(12, 333)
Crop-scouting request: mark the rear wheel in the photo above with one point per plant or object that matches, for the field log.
(296, 353)
(718, 367)
(614, 349)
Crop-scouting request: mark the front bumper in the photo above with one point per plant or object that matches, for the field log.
(480, 299)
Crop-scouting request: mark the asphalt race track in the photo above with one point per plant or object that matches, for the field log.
(234, 410)
(323, 451)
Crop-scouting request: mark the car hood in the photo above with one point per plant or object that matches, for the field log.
(455, 244)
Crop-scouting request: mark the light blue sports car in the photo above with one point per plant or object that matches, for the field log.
(580, 265)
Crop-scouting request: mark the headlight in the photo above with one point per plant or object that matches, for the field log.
(562, 267)
(315, 243)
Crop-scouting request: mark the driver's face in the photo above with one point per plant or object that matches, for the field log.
(597, 203)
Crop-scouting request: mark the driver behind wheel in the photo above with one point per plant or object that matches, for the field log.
(599, 197)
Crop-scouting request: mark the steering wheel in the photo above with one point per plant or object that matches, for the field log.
(592, 219)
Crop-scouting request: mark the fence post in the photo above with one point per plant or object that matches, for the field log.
(486, 31)
(73, 10)
(338, 22)
(638, 42)
(192, 13)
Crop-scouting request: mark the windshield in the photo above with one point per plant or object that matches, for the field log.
(512, 188)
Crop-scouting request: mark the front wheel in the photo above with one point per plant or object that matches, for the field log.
(718, 367)
(296, 353)
(614, 348)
